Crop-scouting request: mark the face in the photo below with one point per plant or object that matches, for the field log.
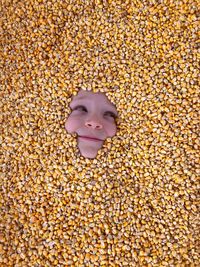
(93, 119)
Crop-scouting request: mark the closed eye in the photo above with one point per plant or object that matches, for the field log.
(80, 108)
(111, 114)
(83, 108)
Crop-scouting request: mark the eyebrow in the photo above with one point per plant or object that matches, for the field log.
(110, 109)
(79, 98)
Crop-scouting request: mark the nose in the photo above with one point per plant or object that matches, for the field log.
(93, 124)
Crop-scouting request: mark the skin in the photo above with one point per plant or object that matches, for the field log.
(92, 115)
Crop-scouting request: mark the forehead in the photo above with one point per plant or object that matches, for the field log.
(92, 96)
(95, 97)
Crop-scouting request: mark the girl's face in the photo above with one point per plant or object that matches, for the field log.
(93, 119)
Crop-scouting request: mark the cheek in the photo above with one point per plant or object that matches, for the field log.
(111, 130)
(72, 124)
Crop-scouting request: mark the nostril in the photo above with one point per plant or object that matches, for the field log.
(94, 125)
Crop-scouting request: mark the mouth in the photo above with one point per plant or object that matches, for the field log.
(90, 138)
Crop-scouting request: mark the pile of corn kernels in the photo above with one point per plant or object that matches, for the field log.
(136, 203)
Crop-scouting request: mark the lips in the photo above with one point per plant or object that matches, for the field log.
(90, 138)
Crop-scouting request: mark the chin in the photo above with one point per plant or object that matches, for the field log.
(88, 152)
(89, 155)
(89, 149)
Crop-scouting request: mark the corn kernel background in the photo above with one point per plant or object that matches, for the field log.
(136, 204)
